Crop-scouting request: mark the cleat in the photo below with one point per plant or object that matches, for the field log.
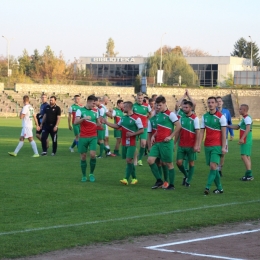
(158, 184)
(220, 173)
(36, 155)
(99, 157)
(43, 153)
(134, 181)
(170, 187)
(12, 154)
(140, 163)
(124, 181)
(71, 150)
(108, 154)
(184, 181)
(52, 154)
(187, 184)
(112, 155)
(247, 178)
(165, 185)
(217, 191)
(84, 179)
(92, 178)
(206, 191)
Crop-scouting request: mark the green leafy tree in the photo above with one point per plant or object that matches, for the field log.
(110, 52)
(137, 84)
(25, 63)
(242, 48)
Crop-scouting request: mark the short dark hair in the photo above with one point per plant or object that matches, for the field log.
(188, 103)
(184, 100)
(150, 100)
(91, 98)
(76, 96)
(128, 103)
(119, 101)
(160, 99)
(53, 97)
(25, 98)
(219, 97)
(154, 95)
(212, 98)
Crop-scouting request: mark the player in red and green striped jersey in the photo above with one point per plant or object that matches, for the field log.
(88, 120)
(131, 126)
(162, 142)
(215, 125)
(245, 140)
(143, 110)
(117, 114)
(188, 141)
(71, 118)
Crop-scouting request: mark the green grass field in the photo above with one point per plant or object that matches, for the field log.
(45, 207)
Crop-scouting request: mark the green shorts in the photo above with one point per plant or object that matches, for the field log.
(128, 151)
(245, 149)
(163, 150)
(85, 142)
(117, 133)
(186, 153)
(213, 154)
(144, 135)
(101, 134)
(76, 129)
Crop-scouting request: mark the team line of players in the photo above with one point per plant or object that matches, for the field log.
(160, 129)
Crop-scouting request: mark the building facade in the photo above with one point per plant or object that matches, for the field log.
(121, 71)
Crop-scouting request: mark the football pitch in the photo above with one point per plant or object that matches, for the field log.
(45, 206)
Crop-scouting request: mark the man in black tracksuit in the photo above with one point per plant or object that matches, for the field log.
(49, 125)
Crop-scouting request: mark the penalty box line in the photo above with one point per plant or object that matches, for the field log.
(125, 218)
(161, 249)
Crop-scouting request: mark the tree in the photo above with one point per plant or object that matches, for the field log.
(111, 48)
(189, 52)
(25, 63)
(242, 48)
(168, 49)
(137, 84)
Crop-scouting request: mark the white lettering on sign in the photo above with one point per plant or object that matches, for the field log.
(113, 59)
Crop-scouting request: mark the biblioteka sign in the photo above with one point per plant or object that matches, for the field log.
(113, 59)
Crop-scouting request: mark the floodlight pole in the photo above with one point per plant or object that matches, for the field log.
(251, 53)
(161, 57)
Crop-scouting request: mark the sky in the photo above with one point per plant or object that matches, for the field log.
(82, 27)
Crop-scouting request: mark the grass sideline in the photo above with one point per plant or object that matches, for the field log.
(46, 191)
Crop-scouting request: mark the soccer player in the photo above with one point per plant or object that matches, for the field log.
(71, 117)
(101, 129)
(188, 141)
(153, 107)
(39, 117)
(88, 120)
(117, 114)
(162, 142)
(245, 140)
(215, 125)
(143, 110)
(104, 101)
(27, 115)
(131, 127)
(161, 166)
(226, 113)
(49, 125)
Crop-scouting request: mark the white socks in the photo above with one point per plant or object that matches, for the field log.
(18, 148)
(34, 147)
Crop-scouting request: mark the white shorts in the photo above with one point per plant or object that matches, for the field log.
(226, 145)
(27, 132)
(107, 133)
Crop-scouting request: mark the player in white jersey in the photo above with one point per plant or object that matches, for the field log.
(27, 115)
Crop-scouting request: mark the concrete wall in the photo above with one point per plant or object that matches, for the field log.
(204, 92)
(1, 86)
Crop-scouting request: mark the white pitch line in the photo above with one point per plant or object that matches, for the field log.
(196, 254)
(126, 218)
(204, 238)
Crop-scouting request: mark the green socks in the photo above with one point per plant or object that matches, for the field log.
(165, 172)
(129, 170)
(101, 149)
(183, 170)
(92, 165)
(116, 152)
(83, 165)
(155, 171)
(186, 164)
(160, 170)
(190, 174)
(141, 153)
(248, 173)
(73, 144)
(214, 176)
(171, 176)
(133, 172)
